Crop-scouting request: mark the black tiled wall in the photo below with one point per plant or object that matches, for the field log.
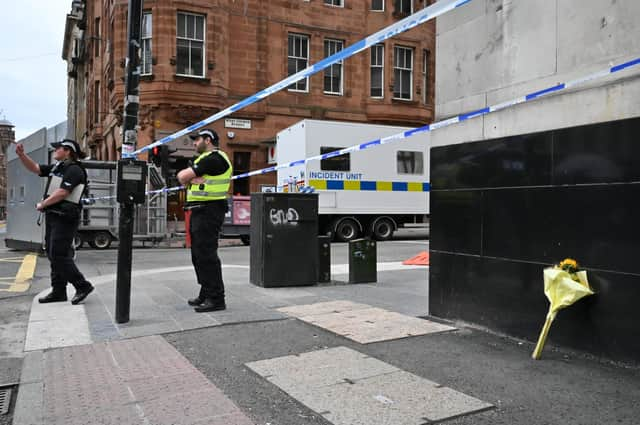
(503, 209)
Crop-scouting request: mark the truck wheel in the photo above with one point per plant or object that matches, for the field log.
(77, 242)
(245, 239)
(101, 240)
(347, 230)
(382, 228)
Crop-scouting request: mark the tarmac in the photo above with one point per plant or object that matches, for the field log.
(335, 353)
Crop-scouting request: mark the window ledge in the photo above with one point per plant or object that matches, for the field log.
(405, 101)
(192, 79)
(147, 77)
(400, 15)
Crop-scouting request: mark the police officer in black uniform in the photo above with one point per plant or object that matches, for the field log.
(207, 182)
(62, 207)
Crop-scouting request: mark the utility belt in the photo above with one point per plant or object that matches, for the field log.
(64, 208)
(190, 206)
(68, 211)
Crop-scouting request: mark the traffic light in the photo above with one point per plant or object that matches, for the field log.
(167, 162)
(161, 156)
(154, 155)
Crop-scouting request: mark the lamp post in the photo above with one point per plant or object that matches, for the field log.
(131, 174)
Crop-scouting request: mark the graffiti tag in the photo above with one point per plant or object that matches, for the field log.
(282, 218)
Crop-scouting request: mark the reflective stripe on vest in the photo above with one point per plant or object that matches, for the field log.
(213, 188)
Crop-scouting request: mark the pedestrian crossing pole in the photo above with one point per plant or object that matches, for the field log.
(130, 172)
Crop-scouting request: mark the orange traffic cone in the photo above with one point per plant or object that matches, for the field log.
(421, 259)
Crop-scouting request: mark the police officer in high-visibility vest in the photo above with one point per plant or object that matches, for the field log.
(62, 207)
(207, 182)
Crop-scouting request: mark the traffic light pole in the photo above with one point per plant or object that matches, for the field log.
(130, 137)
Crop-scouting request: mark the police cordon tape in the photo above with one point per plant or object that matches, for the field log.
(454, 120)
(429, 127)
(437, 9)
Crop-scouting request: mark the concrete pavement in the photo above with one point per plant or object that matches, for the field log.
(247, 364)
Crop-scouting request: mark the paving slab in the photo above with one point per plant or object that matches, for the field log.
(363, 323)
(56, 325)
(320, 368)
(322, 308)
(347, 387)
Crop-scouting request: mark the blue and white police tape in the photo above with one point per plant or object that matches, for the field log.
(441, 124)
(437, 9)
(91, 200)
(445, 123)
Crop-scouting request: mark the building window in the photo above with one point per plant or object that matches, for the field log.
(377, 5)
(336, 163)
(403, 73)
(96, 37)
(96, 102)
(403, 7)
(410, 162)
(425, 75)
(145, 54)
(377, 71)
(333, 74)
(337, 3)
(298, 59)
(190, 44)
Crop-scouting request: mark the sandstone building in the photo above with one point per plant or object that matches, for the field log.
(199, 57)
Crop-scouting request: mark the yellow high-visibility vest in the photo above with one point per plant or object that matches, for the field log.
(214, 187)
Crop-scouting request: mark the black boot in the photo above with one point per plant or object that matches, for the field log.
(195, 301)
(53, 297)
(210, 304)
(81, 294)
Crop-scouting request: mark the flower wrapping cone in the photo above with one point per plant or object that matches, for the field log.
(562, 291)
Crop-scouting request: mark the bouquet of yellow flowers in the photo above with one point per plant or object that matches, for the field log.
(564, 284)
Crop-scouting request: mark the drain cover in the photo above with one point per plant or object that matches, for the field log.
(5, 400)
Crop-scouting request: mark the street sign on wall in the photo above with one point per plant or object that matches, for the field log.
(237, 123)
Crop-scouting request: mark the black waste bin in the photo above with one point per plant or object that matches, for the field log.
(284, 245)
(324, 259)
(362, 261)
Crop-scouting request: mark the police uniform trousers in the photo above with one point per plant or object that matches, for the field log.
(204, 228)
(59, 233)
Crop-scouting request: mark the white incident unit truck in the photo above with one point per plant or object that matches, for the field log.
(371, 192)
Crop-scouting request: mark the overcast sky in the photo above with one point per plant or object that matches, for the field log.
(33, 80)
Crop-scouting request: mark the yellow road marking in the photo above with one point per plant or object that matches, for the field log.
(23, 278)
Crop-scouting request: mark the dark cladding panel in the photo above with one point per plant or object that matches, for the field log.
(523, 160)
(601, 225)
(499, 294)
(455, 222)
(518, 224)
(598, 153)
